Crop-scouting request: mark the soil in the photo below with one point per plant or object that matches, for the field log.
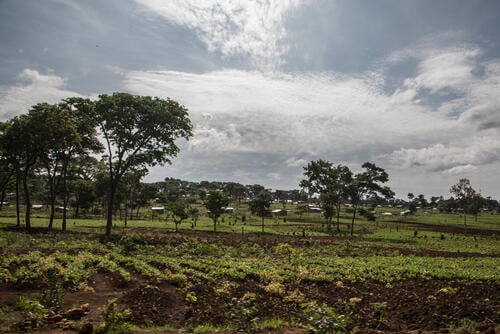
(408, 306)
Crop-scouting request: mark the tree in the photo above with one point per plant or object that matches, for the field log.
(367, 183)
(58, 140)
(215, 204)
(80, 114)
(235, 191)
(21, 146)
(6, 167)
(179, 211)
(260, 205)
(422, 201)
(331, 183)
(254, 189)
(194, 213)
(464, 193)
(128, 190)
(138, 132)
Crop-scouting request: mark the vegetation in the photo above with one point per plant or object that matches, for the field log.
(389, 264)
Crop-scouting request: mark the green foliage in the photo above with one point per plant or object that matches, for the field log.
(115, 321)
(260, 205)
(215, 203)
(286, 250)
(463, 326)
(244, 311)
(139, 132)
(324, 319)
(34, 311)
(180, 212)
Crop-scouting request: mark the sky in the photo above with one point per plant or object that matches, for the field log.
(412, 86)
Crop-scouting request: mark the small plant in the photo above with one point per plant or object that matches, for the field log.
(244, 312)
(380, 309)
(295, 296)
(286, 250)
(114, 320)
(34, 312)
(191, 297)
(53, 295)
(465, 325)
(179, 280)
(324, 319)
(5, 276)
(275, 288)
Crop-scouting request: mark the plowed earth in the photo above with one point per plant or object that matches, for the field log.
(402, 306)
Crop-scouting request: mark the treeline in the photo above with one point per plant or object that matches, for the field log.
(93, 154)
(78, 144)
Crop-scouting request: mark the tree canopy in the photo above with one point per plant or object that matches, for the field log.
(215, 203)
(138, 131)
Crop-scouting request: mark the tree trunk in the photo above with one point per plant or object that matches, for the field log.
(338, 218)
(65, 208)
(465, 222)
(52, 211)
(126, 213)
(109, 220)
(3, 198)
(65, 198)
(27, 201)
(262, 224)
(215, 224)
(353, 218)
(18, 211)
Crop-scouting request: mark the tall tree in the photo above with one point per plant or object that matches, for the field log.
(6, 166)
(215, 203)
(80, 113)
(260, 205)
(138, 132)
(464, 193)
(331, 183)
(368, 182)
(21, 145)
(59, 137)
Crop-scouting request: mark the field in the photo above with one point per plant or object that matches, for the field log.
(398, 274)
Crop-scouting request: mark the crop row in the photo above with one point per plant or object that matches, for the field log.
(282, 264)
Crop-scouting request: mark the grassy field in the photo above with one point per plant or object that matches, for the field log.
(425, 271)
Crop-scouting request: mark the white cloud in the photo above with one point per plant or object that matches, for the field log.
(294, 162)
(461, 170)
(233, 27)
(455, 157)
(344, 118)
(289, 114)
(446, 69)
(34, 88)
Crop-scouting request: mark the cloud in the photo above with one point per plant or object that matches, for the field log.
(446, 69)
(233, 28)
(442, 119)
(451, 158)
(33, 88)
(294, 162)
(313, 114)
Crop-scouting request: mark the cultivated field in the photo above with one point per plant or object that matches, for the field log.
(422, 272)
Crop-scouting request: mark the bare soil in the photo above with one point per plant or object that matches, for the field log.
(407, 306)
